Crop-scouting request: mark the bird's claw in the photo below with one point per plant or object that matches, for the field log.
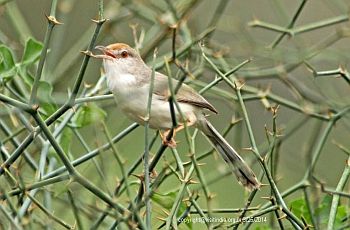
(170, 143)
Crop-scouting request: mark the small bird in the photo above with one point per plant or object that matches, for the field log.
(129, 79)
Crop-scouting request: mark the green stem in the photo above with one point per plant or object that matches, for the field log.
(49, 214)
(146, 155)
(124, 174)
(36, 185)
(15, 103)
(94, 152)
(336, 198)
(291, 217)
(70, 168)
(51, 24)
(86, 59)
(10, 218)
(290, 25)
(178, 199)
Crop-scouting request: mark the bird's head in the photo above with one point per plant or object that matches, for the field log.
(120, 58)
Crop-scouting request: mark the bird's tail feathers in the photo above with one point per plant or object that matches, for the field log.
(240, 169)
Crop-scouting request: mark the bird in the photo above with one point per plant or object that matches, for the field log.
(129, 79)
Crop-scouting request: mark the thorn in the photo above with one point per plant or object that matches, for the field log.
(238, 86)
(261, 185)
(191, 181)
(257, 206)
(278, 178)
(268, 131)
(155, 52)
(254, 22)
(74, 109)
(153, 174)
(186, 199)
(53, 20)
(248, 149)
(274, 110)
(282, 217)
(141, 177)
(265, 158)
(281, 209)
(235, 121)
(87, 53)
(161, 218)
(35, 107)
(99, 21)
(211, 196)
(269, 198)
(165, 211)
(173, 26)
(87, 85)
(117, 182)
(311, 69)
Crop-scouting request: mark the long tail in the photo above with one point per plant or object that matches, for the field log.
(242, 171)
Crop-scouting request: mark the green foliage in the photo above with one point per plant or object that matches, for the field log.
(32, 52)
(166, 201)
(299, 208)
(46, 100)
(7, 63)
(65, 139)
(88, 114)
(322, 212)
(9, 68)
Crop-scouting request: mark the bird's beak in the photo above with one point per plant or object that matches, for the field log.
(107, 53)
(102, 48)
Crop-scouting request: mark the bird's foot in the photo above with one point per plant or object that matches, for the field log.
(170, 143)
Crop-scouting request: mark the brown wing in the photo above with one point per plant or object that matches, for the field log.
(185, 94)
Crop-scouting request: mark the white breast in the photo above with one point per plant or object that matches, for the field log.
(133, 99)
(121, 82)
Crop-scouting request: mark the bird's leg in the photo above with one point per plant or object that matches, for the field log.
(191, 120)
(171, 143)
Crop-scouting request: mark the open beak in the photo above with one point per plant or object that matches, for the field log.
(107, 54)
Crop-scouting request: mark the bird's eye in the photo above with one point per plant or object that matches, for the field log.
(124, 54)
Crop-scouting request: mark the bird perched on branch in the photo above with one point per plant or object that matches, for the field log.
(129, 79)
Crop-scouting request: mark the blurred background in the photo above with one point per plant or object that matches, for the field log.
(300, 65)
